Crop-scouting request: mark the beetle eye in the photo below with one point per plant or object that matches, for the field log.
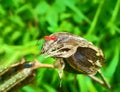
(47, 38)
(53, 37)
(50, 38)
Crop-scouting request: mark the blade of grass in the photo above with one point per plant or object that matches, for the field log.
(29, 89)
(49, 88)
(114, 14)
(91, 86)
(82, 83)
(93, 24)
(76, 10)
(113, 65)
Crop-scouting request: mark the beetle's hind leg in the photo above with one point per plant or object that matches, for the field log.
(103, 82)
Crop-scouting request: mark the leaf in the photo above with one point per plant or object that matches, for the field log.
(16, 19)
(69, 4)
(95, 20)
(15, 35)
(59, 6)
(29, 89)
(48, 88)
(52, 19)
(2, 11)
(113, 65)
(42, 8)
(91, 86)
(81, 83)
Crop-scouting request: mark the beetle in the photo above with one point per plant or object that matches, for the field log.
(74, 54)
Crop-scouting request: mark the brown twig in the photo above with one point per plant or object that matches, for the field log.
(75, 80)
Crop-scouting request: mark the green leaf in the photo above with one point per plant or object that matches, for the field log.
(48, 88)
(69, 4)
(28, 89)
(17, 19)
(81, 83)
(52, 19)
(42, 8)
(113, 65)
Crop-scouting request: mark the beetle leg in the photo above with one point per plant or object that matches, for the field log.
(59, 64)
(75, 80)
(102, 82)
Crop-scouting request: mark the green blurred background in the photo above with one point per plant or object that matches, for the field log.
(24, 22)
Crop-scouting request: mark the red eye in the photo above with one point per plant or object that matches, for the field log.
(50, 37)
(53, 37)
(47, 38)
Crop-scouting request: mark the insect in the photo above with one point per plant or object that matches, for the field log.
(72, 53)
(16, 76)
(75, 54)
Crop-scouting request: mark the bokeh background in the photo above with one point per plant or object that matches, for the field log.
(24, 22)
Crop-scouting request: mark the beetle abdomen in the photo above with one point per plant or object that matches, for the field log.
(85, 60)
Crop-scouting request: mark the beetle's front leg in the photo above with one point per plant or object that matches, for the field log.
(60, 65)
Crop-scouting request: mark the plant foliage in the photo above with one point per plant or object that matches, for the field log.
(24, 22)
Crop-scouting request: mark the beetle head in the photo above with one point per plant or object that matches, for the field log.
(59, 44)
